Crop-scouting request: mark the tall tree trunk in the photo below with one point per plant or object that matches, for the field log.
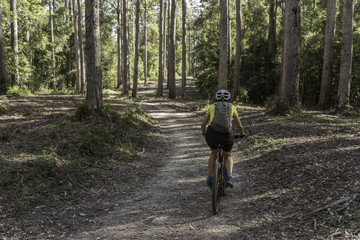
(125, 48)
(14, 43)
(189, 52)
(346, 55)
(93, 57)
(229, 29)
(289, 90)
(183, 82)
(118, 15)
(272, 28)
(172, 83)
(81, 47)
(69, 50)
(168, 42)
(145, 42)
(237, 68)
(77, 49)
(136, 62)
(222, 81)
(3, 84)
(161, 52)
(164, 42)
(326, 79)
(51, 19)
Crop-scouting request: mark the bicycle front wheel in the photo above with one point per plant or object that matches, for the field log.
(216, 188)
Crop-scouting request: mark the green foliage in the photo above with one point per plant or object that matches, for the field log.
(17, 91)
(4, 105)
(266, 144)
(275, 105)
(345, 220)
(206, 50)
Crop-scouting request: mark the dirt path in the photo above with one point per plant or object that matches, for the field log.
(285, 177)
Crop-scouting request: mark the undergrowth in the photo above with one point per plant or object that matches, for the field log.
(76, 154)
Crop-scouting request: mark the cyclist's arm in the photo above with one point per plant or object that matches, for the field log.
(239, 125)
(204, 122)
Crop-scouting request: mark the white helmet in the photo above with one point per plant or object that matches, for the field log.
(223, 95)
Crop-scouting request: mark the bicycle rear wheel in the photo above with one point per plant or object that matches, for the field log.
(216, 188)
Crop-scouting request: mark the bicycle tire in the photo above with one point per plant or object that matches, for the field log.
(216, 188)
(223, 180)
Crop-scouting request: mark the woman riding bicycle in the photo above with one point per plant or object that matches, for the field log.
(223, 136)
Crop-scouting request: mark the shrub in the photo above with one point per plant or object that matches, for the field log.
(18, 91)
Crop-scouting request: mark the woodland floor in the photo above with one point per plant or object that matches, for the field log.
(296, 177)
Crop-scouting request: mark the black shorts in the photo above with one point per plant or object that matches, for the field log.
(213, 139)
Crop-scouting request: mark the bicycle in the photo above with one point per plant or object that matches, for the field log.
(219, 179)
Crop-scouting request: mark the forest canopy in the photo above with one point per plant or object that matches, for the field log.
(44, 57)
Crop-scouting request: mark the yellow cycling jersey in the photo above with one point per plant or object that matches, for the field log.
(211, 111)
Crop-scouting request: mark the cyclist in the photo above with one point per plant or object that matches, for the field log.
(214, 138)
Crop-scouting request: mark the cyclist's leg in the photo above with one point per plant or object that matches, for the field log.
(212, 161)
(228, 162)
(229, 167)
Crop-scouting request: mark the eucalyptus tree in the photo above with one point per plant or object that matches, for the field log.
(77, 49)
(326, 79)
(81, 47)
(136, 62)
(223, 58)
(93, 59)
(52, 41)
(14, 43)
(119, 36)
(272, 28)
(237, 68)
(171, 57)
(3, 85)
(343, 94)
(289, 90)
(183, 82)
(161, 51)
(125, 47)
(145, 44)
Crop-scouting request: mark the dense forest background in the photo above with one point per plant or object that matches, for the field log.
(47, 48)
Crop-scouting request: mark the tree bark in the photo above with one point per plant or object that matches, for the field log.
(3, 84)
(168, 41)
(161, 52)
(93, 60)
(14, 43)
(183, 82)
(119, 35)
(81, 48)
(164, 43)
(77, 49)
(145, 42)
(346, 55)
(326, 79)
(125, 48)
(51, 20)
(237, 68)
(172, 84)
(272, 28)
(136, 62)
(229, 29)
(289, 90)
(223, 58)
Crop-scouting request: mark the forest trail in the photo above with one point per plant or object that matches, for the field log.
(175, 204)
(295, 178)
(280, 191)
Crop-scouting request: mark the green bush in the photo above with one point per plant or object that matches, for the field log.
(18, 91)
(4, 105)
